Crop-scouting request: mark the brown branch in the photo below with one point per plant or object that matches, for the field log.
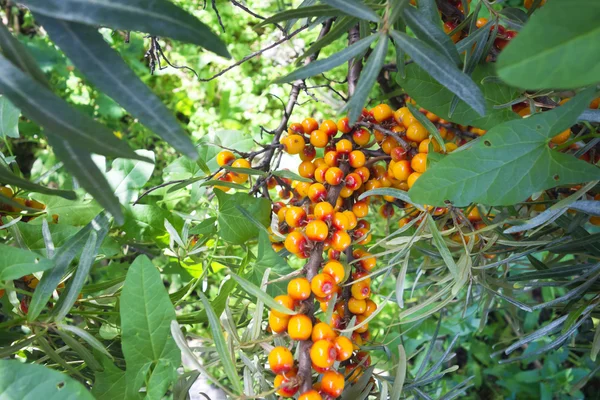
(354, 65)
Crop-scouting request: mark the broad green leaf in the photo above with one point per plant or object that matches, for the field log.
(442, 70)
(80, 164)
(268, 258)
(18, 54)
(7, 177)
(110, 384)
(431, 33)
(57, 116)
(9, 118)
(320, 66)
(341, 27)
(144, 223)
(157, 18)
(127, 177)
(30, 381)
(16, 263)
(355, 8)
(105, 68)
(234, 227)
(257, 292)
(225, 356)
(146, 315)
(206, 227)
(367, 79)
(428, 125)
(70, 212)
(434, 97)
(509, 163)
(320, 10)
(558, 48)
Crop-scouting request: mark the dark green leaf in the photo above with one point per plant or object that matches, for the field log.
(16, 263)
(516, 15)
(9, 118)
(85, 354)
(509, 163)
(396, 9)
(105, 68)
(157, 18)
(331, 62)
(30, 381)
(111, 383)
(442, 70)
(301, 12)
(563, 33)
(340, 28)
(355, 8)
(234, 227)
(440, 245)
(18, 54)
(7, 177)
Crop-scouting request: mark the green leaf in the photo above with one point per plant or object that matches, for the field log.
(144, 223)
(157, 18)
(284, 173)
(146, 315)
(367, 79)
(30, 381)
(111, 383)
(442, 70)
(396, 193)
(7, 177)
(70, 212)
(222, 349)
(57, 116)
(431, 33)
(16, 263)
(127, 177)
(440, 245)
(18, 54)
(9, 118)
(509, 163)
(396, 9)
(268, 258)
(80, 164)
(320, 10)
(355, 8)
(81, 350)
(105, 68)
(341, 27)
(563, 33)
(234, 227)
(428, 125)
(331, 62)
(400, 374)
(257, 292)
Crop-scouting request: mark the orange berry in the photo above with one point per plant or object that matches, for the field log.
(329, 127)
(412, 179)
(322, 331)
(449, 26)
(323, 285)
(419, 162)
(529, 3)
(6, 192)
(340, 221)
(344, 146)
(310, 395)
(371, 307)
(450, 147)
(293, 144)
(334, 176)
(367, 263)
(323, 211)
(287, 302)
(308, 154)
(388, 144)
(336, 320)
(357, 306)
(382, 112)
(319, 139)
(335, 269)
(474, 215)
(398, 153)
(332, 383)
(239, 177)
(317, 192)
(404, 116)
(343, 125)
(299, 289)
(283, 382)
(295, 243)
(561, 137)
(416, 132)
(295, 128)
(320, 172)
(361, 136)
(281, 360)
(356, 159)
(402, 170)
(344, 348)
(319, 162)
(317, 231)
(362, 235)
(352, 221)
(309, 125)
(332, 158)
(360, 209)
(225, 157)
(364, 328)
(424, 146)
(595, 220)
(300, 327)
(340, 240)
(278, 324)
(386, 210)
(361, 290)
(295, 216)
(353, 181)
(364, 173)
(306, 169)
(323, 354)
(302, 189)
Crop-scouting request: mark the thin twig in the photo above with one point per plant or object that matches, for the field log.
(214, 7)
(255, 15)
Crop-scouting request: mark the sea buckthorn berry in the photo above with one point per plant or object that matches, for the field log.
(561, 137)
(424, 146)
(344, 146)
(343, 125)
(353, 372)
(340, 221)
(379, 136)
(310, 395)
(416, 132)
(419, 162)
(281, 360)
(363, 223)
(357, 306)
(295, 216)
(319, 162)
(293, 144)
(333, 254)
(481, 22)
(320, 172)
(361, 290)
(362, 236)
(299, 289)
(398, 153)
(309, 125)
(529, 3)
(402, 170)
(382, 112)
(295, 243)
(360, 209)
(404, 116)
(388, 144)
(319, 139)
(285, 194)
(323, 285)
(367, 263)
(277, 323)
(340, 308)
(344, 348)
(412, 179)
(364, 328)
(474, 215)
(340, 240)
(329, 127)
(371, 307)
(450, 147)
(352, 221)
(332, 383)
(221, 176)
(286, 387)
(335, 269)
(302, 189)
(346, 192)
(323, 211)
(306, 169)
(357, 340)
(308, 154)
(281, 213)
(356, 159)
(295, 128)
(317, 231)
(477, 131)
(364, 173)
(224, 157)
(322, 331)
(317, 192)
(239, 177)
(334, 176)
(386, 210)
(271, 182)
(361, 136)
(332, 158)
(300, 327)
(594, 220)
(449, 26)
(323, 354)
(287, 302)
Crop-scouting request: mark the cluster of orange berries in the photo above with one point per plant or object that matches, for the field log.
(227, 158)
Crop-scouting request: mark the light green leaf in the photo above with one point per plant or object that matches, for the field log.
(400, 374)
(7, 177)
(268, 258)
(31, 381)
(438, 242)
(255, 291)
(111, 383)
(146, 315)
(508, 164)
(558, 48)
(9, 118)
(127, 177)
(70, 212)
(234, 227)
(157, 18)
(355, 8)
(16, 263)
